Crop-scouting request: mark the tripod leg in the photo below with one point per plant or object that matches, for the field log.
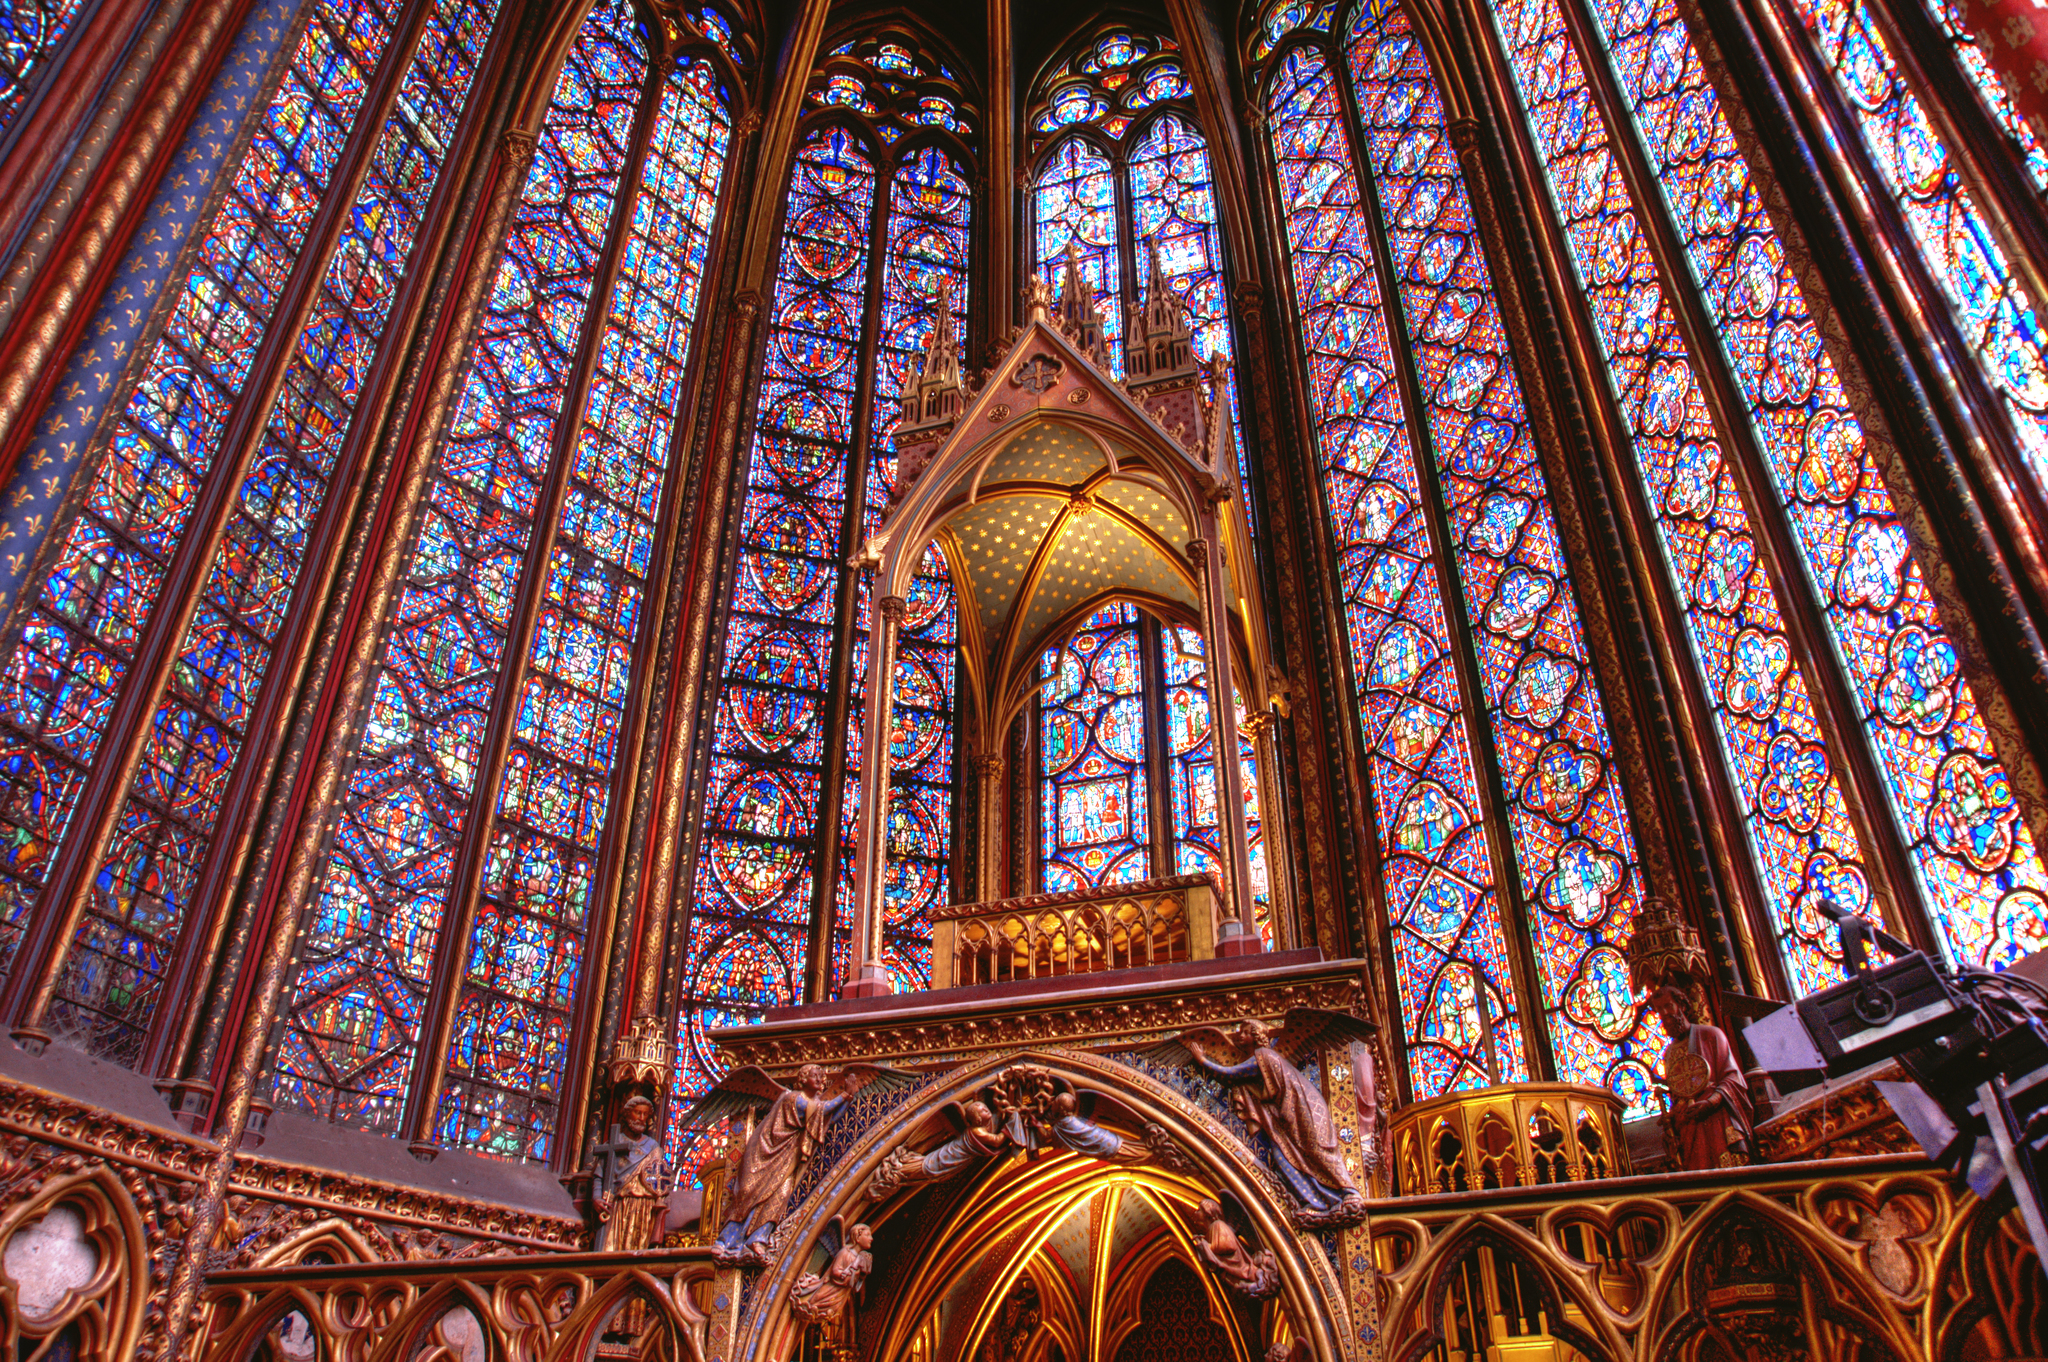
(2019, 1165)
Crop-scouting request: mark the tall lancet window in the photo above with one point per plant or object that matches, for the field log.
(874, 243)
(471, 846)
(1503, 828)
(1121, 173)
(1852, 745)
(216, 474)
(1127, 760)
(1944, 214)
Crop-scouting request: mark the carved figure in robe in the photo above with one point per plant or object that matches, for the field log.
(981, 1138)
(1043, 1111)
(1285, 1110)
(633, 1206)
(1709, 1124)
(779, 1147)
(828, 1297)
(1253, 1273)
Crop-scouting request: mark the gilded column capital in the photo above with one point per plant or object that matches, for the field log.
(893, 608)
(518, 146)
(990, 766)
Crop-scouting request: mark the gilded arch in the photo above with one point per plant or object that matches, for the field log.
(1217, 1160)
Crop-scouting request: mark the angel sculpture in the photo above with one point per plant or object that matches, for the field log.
(1252, 1273)
(1285, 1111)
(780, 1145)
(826, 1298)
(980, 1138)
(1042, 1109)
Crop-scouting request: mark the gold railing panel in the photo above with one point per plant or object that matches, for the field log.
(1051, 936)
(1521, 1135)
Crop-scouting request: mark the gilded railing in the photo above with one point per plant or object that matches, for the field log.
(657, 1306)
(1048, 936)
(1526, 1135)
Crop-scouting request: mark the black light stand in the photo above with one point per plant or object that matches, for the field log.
(1974, 1043)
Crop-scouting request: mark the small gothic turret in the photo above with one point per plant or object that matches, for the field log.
(1160, 369)
(1078, 315)
(932, 406)
(1160, 348)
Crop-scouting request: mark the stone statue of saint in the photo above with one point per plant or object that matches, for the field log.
(633, 1206)
(779, 1146)
(1709, 1124)
(1287, 1114)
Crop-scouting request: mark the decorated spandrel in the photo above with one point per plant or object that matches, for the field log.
(30, 33)
(146, 882)
(1094, 817)
(81, 631)
(1568, 815)
(1777, 760)
(1952, 799)
(751, 904)
(1173, 209)
(925, 268)
(1991, 308)
(353, 1017)
(1459, 1010)
(541, 884)
(1191, 773)
(1074, 199)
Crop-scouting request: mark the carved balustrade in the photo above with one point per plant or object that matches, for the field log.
(1049, 936)
(654, 1305)
(1525, 1135)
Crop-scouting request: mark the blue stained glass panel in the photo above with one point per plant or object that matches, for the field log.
(1953, 801)
(353, 1020)
(146, 882)
(1459, 1010)
(1568, 815)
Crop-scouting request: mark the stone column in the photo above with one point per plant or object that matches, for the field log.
(1237, 934)
(868, 977)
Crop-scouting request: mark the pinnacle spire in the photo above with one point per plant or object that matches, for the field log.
(1078, 314)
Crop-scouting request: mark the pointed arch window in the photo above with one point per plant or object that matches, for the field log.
(1506, 848)
(875, 242)
(1770, 506)
(185, 551)
(1122, 173)
(444, 961)
(1127, 760)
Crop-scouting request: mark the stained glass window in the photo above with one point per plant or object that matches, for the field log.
(84, 628)
(1948, 14)
(1173, 207)
(1094, 817)
(1074, 201)
(751, 911)
(540, 885)
(1459, 1011)
(30, 33)
(863, 228)
(930, 207)
(1191, 773)
(1567, 815)
(1991, 309)
(1778, 761)
(1953, 802)
(370, 951)
(1168, 203)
